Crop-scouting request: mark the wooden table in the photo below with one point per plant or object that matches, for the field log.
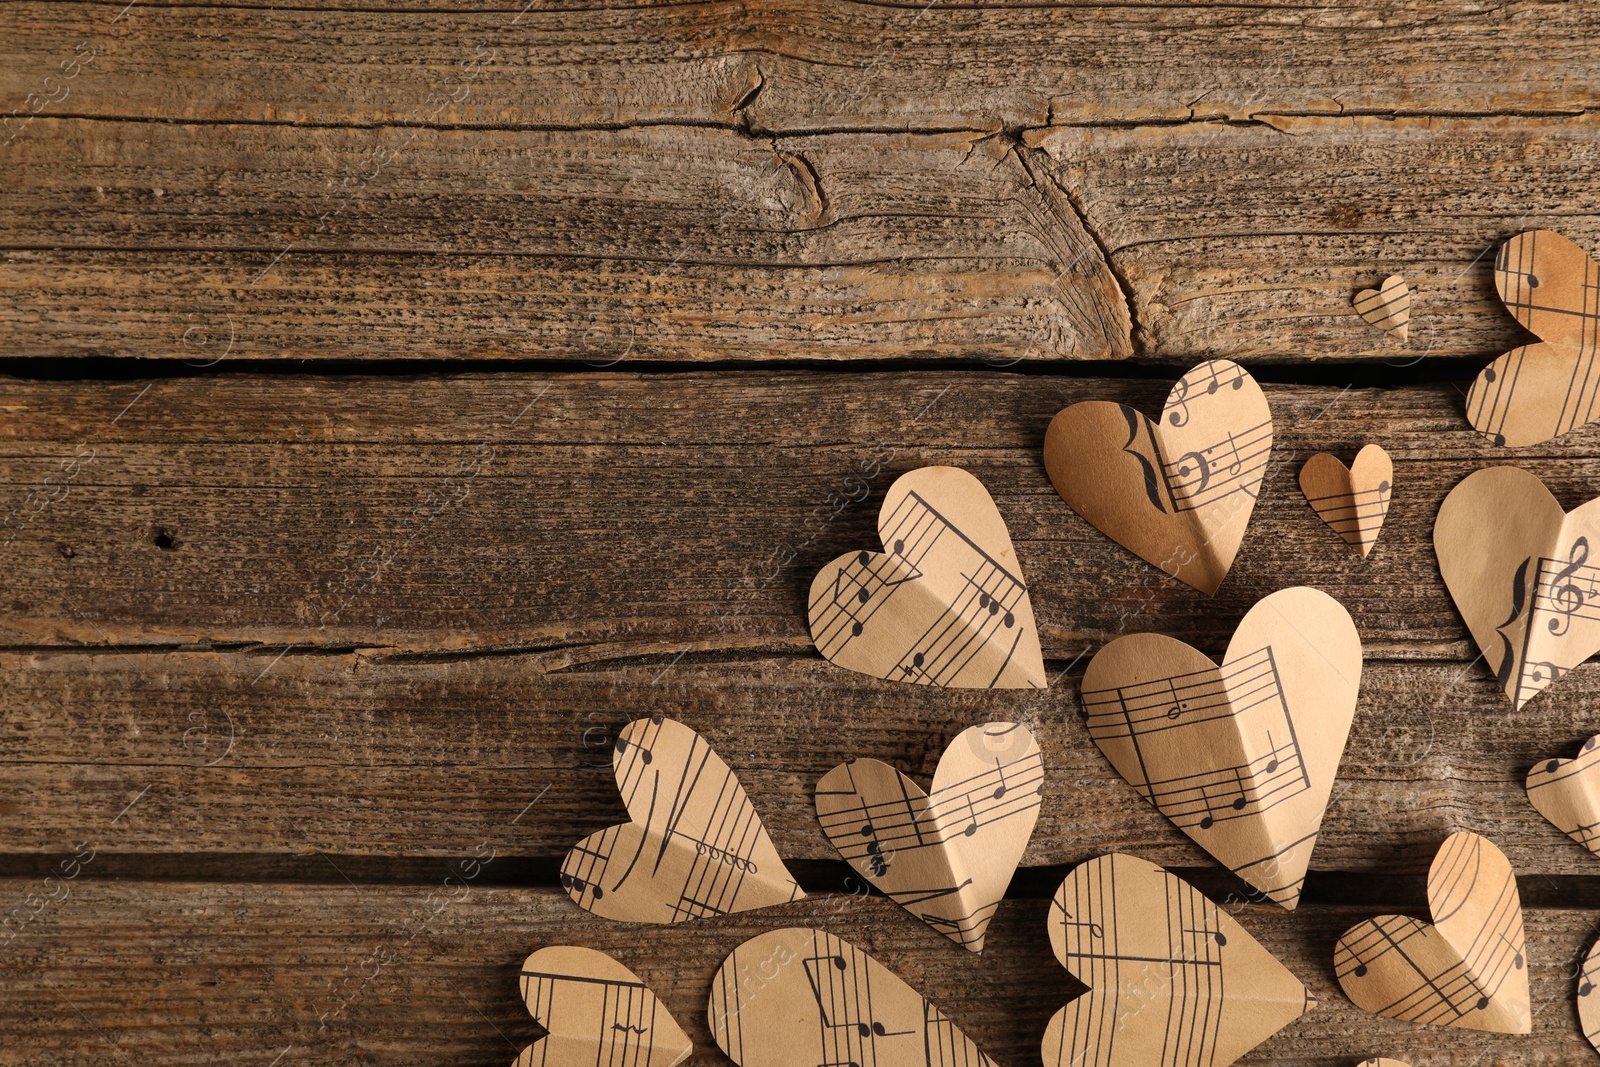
(400, 397)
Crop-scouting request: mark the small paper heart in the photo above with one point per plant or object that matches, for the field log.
(1588, 998)
(945, 605)
(596, 1011)
(946, 856)
(1567, 792)
(1353, 500)
(1172, 978)
(800, 998)
(1387, 307)
(1520, 573)
(1467, 968)
(1243, 757)
(695, 846)
(1178, 493)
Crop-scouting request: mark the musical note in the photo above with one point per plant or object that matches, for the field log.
(1467, 968)
(597, 1012)
(945, 605)
(695, 846)
(1567, 792)
(1588, 1002)
(1173, 980)
(946, 855)
(838, 1008)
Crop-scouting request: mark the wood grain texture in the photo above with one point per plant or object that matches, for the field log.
(194, 973)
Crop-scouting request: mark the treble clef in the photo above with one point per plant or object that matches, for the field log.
(1566, 595)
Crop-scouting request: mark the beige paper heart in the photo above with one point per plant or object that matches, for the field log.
(804, 998)
(695, 846)
(1353, 500)
(597, 1012)
(1520, 572)
(1588, 999)
(1537, 392)
(1172, 979)
(1378, 1061)
(1388, 307)
(1241, 758)
(945, 856)
(1177, 493)
(946, 605)
(1467, 968)
(1567, 792)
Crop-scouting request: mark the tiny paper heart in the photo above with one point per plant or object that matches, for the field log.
(695, 846)
(1378, 1061)
(1177, 493)
(1537, 392)
(1241, 758)
(1467, 969)
(800, 998)
(597, 1012)
(1387, 307)
(1172, 979)
(945, 856)
(1588, 999)
(1567, 792)
(946, 605)
(1520, 572)
(1354, 499)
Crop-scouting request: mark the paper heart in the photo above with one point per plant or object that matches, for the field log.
(800, 998)
(1378, 1061)
(597, 1012)
(1519, 570)
(1388, 307)
(1537, 392)
(946, 605)
(1467, 969)
(695, 846)
(1567, 792)
(945, 856)
(1172, 979)
(1353, 500)
(1179, 493)
(1588, 1000)
(1241, 758)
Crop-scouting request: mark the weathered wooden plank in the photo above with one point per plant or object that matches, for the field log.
(260, 754)
(644, 514)
(786, 65)
(197, 974)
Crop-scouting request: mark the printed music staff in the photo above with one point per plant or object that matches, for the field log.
(1536, 392)
(1588, 998)
(1178, 492)
(1567, 792)
(946, 856)
(944, 605)
(695, 846)
(1387, 307)
(1241, 758)
(804, 998)
(1173, 980)
(597, 1012)
(1524, 574)
(1467, 968)
(1353, 500)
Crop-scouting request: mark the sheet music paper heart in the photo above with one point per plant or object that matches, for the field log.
(1172, 979)
(596, 1011)
(1540, 391)
(1467, 968)
(1177, 493)
(1588, 999)
(695, 846)
(800, 998)
(1378, 1061)
(1242, 757)
(1387, 307)
(945, 605)
(1354, 500)
(1520, 572)
(1567, 792)
(946, 856)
